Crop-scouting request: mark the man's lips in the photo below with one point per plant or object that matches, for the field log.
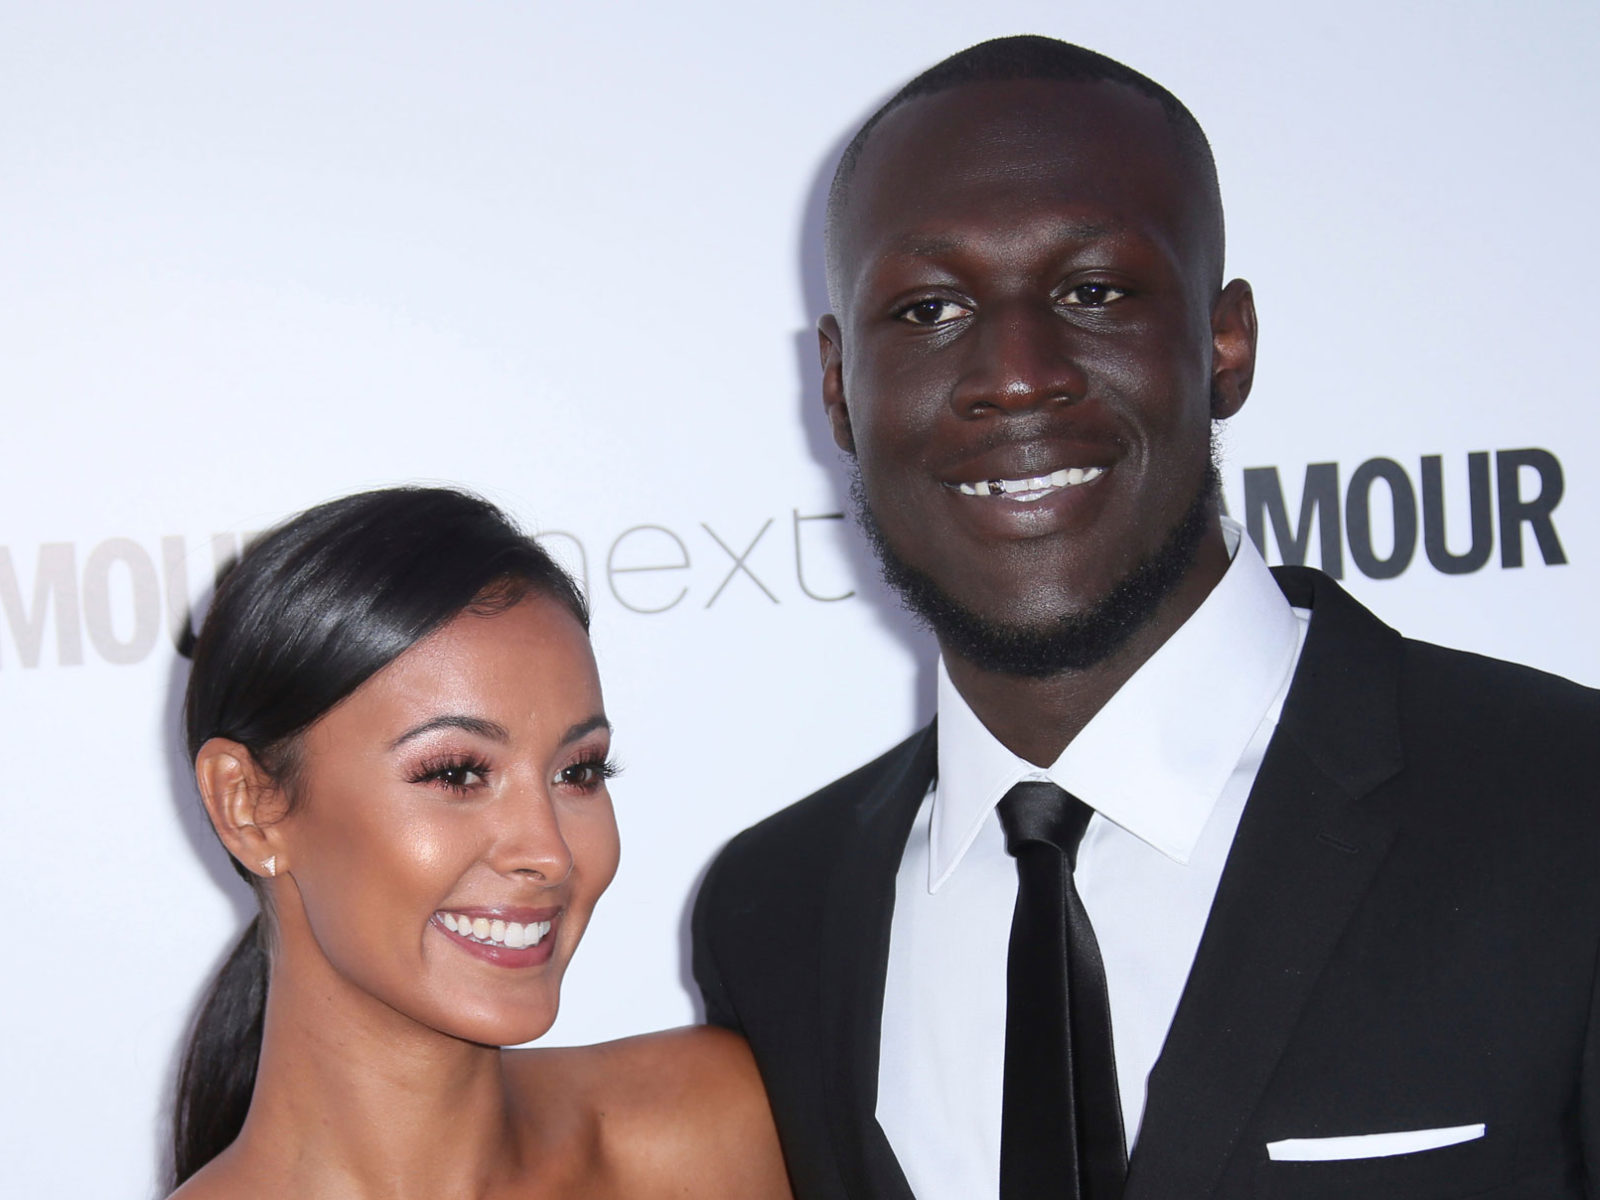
(1027, 459)
(1021, 493)
(1032, 487)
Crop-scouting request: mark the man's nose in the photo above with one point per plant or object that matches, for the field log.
(1019, 356)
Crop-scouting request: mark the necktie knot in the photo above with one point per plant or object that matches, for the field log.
(1039, 811)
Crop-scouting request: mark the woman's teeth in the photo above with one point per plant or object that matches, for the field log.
(513, 935)
(1031, 489)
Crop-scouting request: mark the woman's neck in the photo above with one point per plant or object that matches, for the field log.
(353, 1099)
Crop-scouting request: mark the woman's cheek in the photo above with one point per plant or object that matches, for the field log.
(432, 841)
(600, 849)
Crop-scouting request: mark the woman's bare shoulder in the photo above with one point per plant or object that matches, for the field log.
(677, 1113)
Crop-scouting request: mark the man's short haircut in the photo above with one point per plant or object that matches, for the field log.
(1015, 59)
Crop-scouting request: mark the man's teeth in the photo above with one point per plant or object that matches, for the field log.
(1029, 489)
(513, 935)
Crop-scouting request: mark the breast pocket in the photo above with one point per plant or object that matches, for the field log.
(1479, 1168)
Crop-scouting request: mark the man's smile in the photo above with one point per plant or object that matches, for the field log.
(1033, 488)
(1030, 487)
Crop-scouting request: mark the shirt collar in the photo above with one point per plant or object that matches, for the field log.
(1155, 758)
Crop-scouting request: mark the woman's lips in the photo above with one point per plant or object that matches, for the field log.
(505, 937)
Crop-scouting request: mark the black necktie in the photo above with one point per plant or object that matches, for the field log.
(1061, 1127)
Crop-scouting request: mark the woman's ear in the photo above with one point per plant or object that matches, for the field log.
(244, 803)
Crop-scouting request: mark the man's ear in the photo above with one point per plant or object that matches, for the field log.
(1233, 349)
(831, 345)
(244, 804)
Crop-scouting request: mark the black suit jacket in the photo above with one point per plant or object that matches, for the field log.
(1406, 936)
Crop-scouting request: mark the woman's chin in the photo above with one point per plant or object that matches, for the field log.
(503, 1029)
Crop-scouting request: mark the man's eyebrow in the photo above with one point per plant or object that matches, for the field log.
(1088, 231)
(475, 725)
(923, 245)
(928, 245)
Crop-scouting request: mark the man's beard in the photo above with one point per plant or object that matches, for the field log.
(1070, 642)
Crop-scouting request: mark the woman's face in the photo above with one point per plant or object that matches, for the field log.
(452, 829)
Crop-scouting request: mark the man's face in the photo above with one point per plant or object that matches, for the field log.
(1031, 345)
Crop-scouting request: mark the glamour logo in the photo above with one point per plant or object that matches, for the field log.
(1527, 485)
(116, 601)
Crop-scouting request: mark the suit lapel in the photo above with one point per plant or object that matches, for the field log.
(855, 950)
(1306, 850)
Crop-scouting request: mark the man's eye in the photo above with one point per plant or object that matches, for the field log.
(932, 312)
(1092, 295)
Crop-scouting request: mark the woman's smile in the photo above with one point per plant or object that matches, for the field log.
(510, 938)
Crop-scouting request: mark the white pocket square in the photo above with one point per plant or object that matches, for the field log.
(1370, 1145)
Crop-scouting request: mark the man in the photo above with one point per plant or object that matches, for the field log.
(1331, 929)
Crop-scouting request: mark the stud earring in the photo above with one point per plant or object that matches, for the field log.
(270, 866)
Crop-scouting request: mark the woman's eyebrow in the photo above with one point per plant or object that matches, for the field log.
(598, 721)
(475, 725)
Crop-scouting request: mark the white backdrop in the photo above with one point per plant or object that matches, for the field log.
(568, 254)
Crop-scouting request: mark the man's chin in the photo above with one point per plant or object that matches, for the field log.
(1072, 641)
(1030, 648)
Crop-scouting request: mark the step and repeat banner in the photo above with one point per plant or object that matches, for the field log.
(569, 255)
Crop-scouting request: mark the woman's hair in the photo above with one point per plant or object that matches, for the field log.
(311, 611)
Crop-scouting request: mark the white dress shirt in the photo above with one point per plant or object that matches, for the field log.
(1167, 765)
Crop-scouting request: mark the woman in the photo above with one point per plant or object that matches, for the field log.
(398, 734)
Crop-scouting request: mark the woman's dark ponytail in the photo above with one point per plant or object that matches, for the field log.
(218, 1073)
(311, 612)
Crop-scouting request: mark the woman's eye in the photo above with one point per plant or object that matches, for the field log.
(1092, 295)
(460, 777)
(587, 775)
(932, 312)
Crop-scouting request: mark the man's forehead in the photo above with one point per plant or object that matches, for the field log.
(1102, 154)
(1021, 130)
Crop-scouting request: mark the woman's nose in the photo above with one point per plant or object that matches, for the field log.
(530, 841)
